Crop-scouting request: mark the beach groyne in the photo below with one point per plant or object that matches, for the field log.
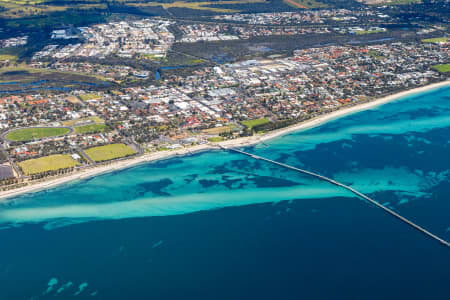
(357, 193)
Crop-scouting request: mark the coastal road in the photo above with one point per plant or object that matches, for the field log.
(11, 161)
(84, 154)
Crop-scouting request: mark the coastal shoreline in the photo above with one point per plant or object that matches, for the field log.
(239, 142)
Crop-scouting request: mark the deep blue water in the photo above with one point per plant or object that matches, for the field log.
(218, 225)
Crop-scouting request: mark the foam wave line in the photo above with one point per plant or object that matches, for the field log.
(164, 206)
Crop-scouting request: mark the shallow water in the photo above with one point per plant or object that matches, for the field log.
(221, 225)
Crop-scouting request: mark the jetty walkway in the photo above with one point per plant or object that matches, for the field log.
(359, 194)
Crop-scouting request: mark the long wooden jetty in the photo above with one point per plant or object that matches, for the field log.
(359, 194)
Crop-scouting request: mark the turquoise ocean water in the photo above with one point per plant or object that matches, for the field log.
(221, 225)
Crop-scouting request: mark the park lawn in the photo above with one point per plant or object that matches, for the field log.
(369, 31)
(200, 5)
(17, 9)
(22, 73)
(87, 97)
(47, 163)
(215, 139)
(5, 57)
(436, 40)
(74, 122)
(444, 68)
(194, 61)
(91, 128)
(116, 92)
(29, 134)
(306, 4)
(252, 123)
(13, 51)
(151, 56)
(32, 2)
(218, 130)
(375, 54)
(108, 152)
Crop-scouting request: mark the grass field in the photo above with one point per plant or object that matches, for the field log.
(252, 123)
(12, 50)
(151, 57)
(10, 53)
(91, 128)
(14, 9)
(24, 74)
(28, 134)
(218, 130)
(11, 58)
(18, 12)
(19, 9)
(74, 122)
(22, 2)
(87, 97)
(109, 152)
(436, 40)
(369, 31)
(305, 3)
(444, 68)
(215, 139)
(47, 163)
(198, 5)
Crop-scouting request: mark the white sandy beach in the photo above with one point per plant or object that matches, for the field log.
(230, 143)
